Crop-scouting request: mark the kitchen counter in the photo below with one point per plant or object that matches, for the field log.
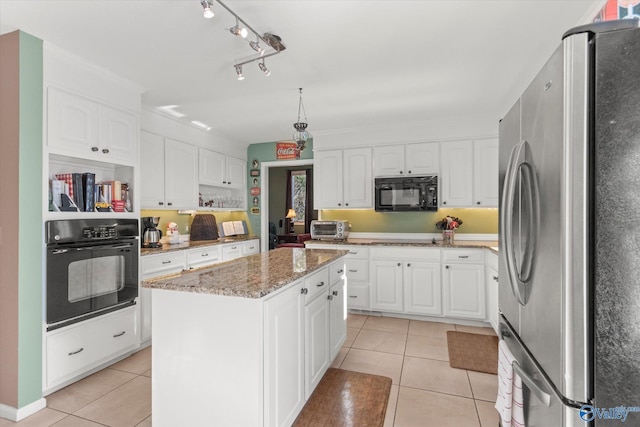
(491, 245)
(190, 244)
(252, 276)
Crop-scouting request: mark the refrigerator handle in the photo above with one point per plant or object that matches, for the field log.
(542, 396)
(520, 163)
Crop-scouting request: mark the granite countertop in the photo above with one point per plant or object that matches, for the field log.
(190, 244)
(482, 244)
(252, 276)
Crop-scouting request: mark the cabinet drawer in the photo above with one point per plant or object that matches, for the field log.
(357, 296)
(475, 256)
(202, 257)
(337, 270)
(406, 253)
(231, 251)
(358, 269)
(162, 264)
(316, 284)
(75, 349)
(358, 251)
(251, 247)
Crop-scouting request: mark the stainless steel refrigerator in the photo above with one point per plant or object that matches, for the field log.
(569, 293)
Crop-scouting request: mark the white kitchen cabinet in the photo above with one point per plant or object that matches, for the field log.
(231, 251)
(80, 127)
(485, 173)
(76, 349)
(386, 285)
(203, 256)
(284, 330)
(219, 170)
(316, 315)
(491, 280)
(422, 288)
(456, 177)
(337, 308)
(343, 179)
(168, 173)
(463, 286)
(250, 247)
(406, 160)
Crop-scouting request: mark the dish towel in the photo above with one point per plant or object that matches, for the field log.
(509, 400)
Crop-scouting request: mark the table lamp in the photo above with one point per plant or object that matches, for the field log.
(290, 215)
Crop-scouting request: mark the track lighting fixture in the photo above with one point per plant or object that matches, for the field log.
(239, 72)
(206, 5)
(264, 68)
(238, 30)
(300, 136)
(269, 41)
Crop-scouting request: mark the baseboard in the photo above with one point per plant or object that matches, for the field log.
(17, 414)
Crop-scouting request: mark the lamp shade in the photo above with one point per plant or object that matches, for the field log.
(291, 213)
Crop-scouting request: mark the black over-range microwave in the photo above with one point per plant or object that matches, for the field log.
(418, 193)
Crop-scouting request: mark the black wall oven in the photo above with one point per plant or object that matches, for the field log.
(418, 193)
(92, 268)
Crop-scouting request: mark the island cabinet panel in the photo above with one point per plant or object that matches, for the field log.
(284, 357)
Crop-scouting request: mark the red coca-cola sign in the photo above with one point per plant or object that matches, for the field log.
(287, 150)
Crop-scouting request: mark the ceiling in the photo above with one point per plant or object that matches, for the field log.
(361, 64)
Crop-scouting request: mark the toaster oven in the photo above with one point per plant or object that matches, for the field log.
(330, 230)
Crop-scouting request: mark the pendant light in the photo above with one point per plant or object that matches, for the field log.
(300, 136)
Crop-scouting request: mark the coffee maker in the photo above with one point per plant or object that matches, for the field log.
(151, 234)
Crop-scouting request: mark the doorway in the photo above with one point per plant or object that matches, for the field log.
(279, 210)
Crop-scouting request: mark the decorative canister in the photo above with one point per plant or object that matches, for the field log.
(448, 236)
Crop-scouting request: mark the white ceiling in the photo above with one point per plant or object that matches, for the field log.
(361, 63)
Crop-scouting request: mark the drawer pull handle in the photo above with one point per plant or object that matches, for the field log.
(319, 285)
(353, 296)
(205, 255)
(353, 270)
(120, 334)
(234, 247)
(353, 253)
(495, 278)
(251, 247)
(463, 256)
(166, 262)
(76, 352)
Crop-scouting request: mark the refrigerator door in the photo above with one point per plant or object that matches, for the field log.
(616, 232)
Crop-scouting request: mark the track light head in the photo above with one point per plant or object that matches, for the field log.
(239, 72)
(256, 46)
(238, 30)
(206, 5)
(264, 68)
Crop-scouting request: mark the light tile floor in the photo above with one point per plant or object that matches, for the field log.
(425, 392)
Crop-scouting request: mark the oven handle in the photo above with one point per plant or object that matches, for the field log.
(86, 248)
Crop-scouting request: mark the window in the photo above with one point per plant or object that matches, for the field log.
(299, 194)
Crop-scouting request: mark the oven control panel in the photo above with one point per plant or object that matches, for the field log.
(99, 232)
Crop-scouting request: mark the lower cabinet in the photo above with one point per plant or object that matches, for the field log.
(491, 281)
(78, 348)
(422, 289)
(337, 311)
(284, 331)
(463, 286)
(386, 285)
(316, 348)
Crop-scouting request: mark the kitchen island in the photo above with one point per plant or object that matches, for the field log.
(245, 342)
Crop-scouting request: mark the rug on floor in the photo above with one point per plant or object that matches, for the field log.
(346, 398)
(475, 352)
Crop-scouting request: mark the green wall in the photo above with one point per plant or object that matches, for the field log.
(30, 225)
(477, 221)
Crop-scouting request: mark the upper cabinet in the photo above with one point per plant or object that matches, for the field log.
(485, 173)
(219, 170)
(343, 179)
(168, 173)
(469, 174)
(406, 160)
(86, 129)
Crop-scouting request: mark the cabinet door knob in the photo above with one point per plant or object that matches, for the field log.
(346, 204)
(446, 266)
(329, 297)
(94, 149)
(334, 293)
(339, 204)
(105, 150)
(495, 278)
(340, 271)
(304, 291)
(408, 171)
(401, 172)
(399, 264)
(444, 203)
(161, 203)
(229, 182)
(169, 204)
(477, 203)
(409, 265)
(224, 182)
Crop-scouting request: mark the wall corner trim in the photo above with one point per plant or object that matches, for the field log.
(17, 414)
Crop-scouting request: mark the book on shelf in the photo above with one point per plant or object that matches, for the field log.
(233, 228)
(78, 192)
(57, 190)
(67, 178)
(89, 188)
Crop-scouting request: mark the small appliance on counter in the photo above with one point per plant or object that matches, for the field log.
(204, 227)
(330, 230)
(151, 235)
